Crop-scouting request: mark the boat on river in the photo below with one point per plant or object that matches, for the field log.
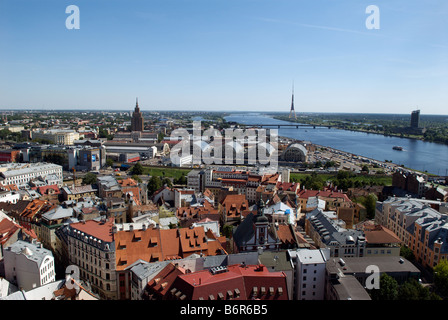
(397, 148)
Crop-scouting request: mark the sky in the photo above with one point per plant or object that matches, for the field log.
(225, 55)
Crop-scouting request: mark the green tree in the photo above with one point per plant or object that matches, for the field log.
(89, 178)
(137, 169)
(227, 230)
(313, 182)
(407, 253)
(137, 178)
(167, 181)
(154, 184)
(370, 205)
(109, 162)
(388, 289)
(408, 291)
(441, 277)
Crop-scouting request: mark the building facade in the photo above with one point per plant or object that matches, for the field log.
(309, 275)
(22, 174)
(28, 265)
(91, 247)
(137, 119)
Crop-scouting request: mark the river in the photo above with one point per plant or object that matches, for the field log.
(418, 155)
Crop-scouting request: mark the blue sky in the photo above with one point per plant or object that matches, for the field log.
(225, 55)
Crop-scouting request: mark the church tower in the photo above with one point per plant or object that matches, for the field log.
(137, 119)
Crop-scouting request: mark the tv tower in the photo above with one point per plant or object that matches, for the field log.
(292, 105)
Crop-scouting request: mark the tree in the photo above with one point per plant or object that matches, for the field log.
(154, 184)
(89, 178)
(109, 162)
(166, 181)
(388, 289)
(370, 205)
(407, 253)
(181, 180)
(227, 230)
(137, 169)
(137, 178)
(441, 277)
(413, 290)
(313, 182)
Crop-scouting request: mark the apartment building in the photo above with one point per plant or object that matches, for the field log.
(310, 266)
(330, 233)
(21, 174)
(91, 247)
(57, 136)
(420, 227)
(28, 265)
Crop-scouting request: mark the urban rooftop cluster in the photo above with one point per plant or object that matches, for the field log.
(103, 203)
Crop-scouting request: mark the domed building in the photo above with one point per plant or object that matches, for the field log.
(295, 152)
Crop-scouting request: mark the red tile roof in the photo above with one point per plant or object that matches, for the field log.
(45, 189)
(7, 230)
(236, 205)
(325, 193)
(97, 229)
(163, 281)
(380, 234)
(131, 246)
(235, 282)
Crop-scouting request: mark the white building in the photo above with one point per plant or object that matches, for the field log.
(9, 196)
(57, 136)
(310, 266)
(21, 174)
(28, 265)
(182, 161)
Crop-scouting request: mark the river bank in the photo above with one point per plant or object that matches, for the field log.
(426, 157)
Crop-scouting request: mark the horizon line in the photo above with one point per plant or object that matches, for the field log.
(210, 111)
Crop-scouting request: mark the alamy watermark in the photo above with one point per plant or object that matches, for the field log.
(258, 147)
(373, 280)
(73, 20)
(72, 277)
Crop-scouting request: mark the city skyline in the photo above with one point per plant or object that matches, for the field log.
(225, 56)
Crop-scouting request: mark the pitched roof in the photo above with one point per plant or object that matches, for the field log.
(45, 189)
(380, 234)
(162, 282)
(98, 229)
(131, 246)
(238, 282)
(7, 229)
(323, 193)
(286, 234)
(235, 205)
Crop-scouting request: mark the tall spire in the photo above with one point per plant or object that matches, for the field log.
(292, 104)
(136, 103)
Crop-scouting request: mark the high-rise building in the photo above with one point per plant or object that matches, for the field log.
(137, 119)
(415, 119)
